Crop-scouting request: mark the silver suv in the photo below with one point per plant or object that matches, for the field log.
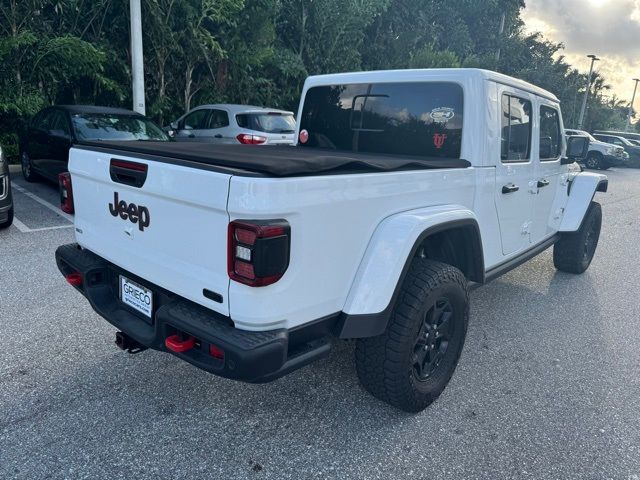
(235, 124)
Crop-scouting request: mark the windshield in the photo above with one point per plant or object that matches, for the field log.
(271, 122)
(102, 126)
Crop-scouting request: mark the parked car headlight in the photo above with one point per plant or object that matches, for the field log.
(611, 150)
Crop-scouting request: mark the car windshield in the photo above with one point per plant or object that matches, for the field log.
(271, 122)
(103, 126)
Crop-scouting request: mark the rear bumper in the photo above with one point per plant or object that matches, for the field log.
(248, 356)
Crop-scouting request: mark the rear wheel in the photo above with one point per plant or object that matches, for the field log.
(27, 170)
(574, 251)
(411, 363)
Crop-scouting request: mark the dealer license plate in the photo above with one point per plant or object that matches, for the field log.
(136, 296)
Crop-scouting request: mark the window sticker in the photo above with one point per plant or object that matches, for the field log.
(438, 140)
(442, 114)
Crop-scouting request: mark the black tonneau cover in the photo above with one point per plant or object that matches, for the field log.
(274, 161)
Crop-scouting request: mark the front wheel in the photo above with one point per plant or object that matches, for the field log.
(593, 161)
(410, 364)
(7, 223)
(575, 250)
(27, 170)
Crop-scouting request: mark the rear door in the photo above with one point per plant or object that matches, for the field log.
(177, 235)
(515, 170)
(59, 143)
(547, 154)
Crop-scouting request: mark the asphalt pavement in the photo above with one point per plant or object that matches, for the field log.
(548, 386)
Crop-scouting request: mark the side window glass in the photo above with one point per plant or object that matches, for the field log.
(45, 120)
(550, 138)
(59, 123)
(516, 129)
(218, 119)
(194, 120)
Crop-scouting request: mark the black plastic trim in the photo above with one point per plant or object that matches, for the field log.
(249, 356)
(373, 324)
(515, 262)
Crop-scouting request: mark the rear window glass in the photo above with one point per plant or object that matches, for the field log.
(418, 119)
(267, 122)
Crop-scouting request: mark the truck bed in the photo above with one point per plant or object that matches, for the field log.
(270, 161)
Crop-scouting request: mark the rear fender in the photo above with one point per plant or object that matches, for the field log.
(388, 255)
(581, 192)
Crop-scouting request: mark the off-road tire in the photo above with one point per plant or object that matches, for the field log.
(386, 364)
(7, 223)
(574, 251)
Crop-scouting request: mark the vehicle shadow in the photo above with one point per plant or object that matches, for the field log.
(529, 355)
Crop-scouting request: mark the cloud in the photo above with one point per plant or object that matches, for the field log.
(607, 28)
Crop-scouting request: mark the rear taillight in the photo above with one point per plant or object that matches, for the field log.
(66, 192)
(258, 251)
(248, 139)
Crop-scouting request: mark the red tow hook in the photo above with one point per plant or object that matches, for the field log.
(174, 344)
(74, 279)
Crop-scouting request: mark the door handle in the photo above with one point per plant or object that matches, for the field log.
(543, 183)
(217, 136)
(510, 188)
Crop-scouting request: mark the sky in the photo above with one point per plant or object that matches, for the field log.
(609, 29)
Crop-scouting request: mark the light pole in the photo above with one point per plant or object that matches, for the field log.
(137, 59)
(594, 59)
(633, 98)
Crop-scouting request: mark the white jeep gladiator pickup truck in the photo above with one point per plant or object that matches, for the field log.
(405, 190)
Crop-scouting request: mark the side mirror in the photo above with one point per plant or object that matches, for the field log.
(577, 149)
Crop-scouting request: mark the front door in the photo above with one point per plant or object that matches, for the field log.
(515, 171)
(192, 127)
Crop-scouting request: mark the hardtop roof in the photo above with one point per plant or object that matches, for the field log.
(433, 74)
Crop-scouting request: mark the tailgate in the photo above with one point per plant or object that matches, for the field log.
(171, 230)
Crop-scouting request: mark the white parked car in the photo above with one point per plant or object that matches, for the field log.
(601, 155)
(406, 189)
(235, 124)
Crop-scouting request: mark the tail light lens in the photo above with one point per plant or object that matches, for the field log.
(248, 139)
(66, 192)
(258, 251)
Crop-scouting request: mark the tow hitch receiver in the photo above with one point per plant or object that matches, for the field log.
(125, 342)
(176, 344)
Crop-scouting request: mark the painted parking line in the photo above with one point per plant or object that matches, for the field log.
(42, 202)
(24, 229)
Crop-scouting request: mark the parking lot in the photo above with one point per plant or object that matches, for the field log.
(548, 385)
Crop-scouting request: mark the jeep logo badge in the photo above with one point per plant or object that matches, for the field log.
(135, 214)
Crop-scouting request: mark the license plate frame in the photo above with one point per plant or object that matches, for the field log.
(136, 296)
